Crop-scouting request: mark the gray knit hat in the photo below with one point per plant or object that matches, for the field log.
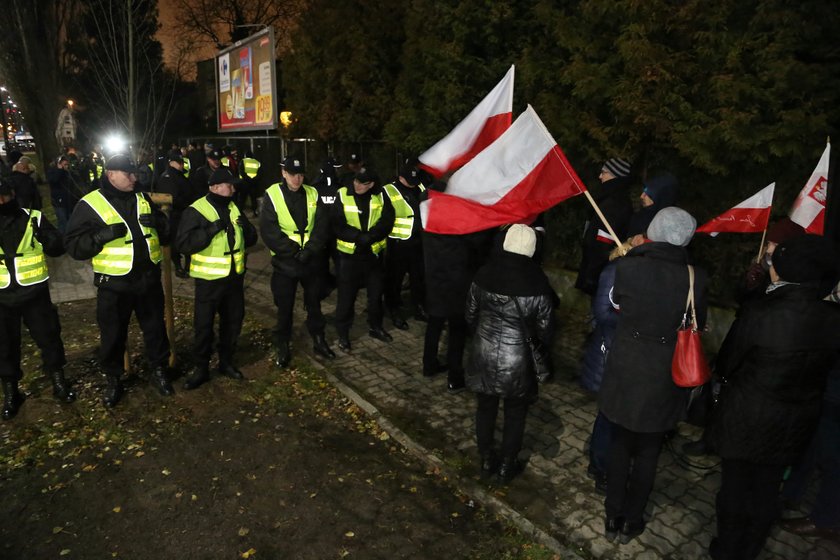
(617, 166)
(672, 225)
(520, 239)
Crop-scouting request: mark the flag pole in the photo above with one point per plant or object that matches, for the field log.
(591, 200)
(761, 248)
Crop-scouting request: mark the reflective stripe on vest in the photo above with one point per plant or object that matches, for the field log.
(284, 218)
(186, 167)
(30, 263)
(351, 214)
(117, 256)
(404, 215)
(213, 262)
(225, 161)
(251, 167)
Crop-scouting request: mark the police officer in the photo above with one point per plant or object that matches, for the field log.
(121, 231)
(25, 238)
(355, 164)
(362, 218)
(200, 176)
(327, 185)
(249, 170)
(173, 181)
(293, 226)
(405, 247)
(215, 234)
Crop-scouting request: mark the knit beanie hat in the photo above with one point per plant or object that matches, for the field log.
(805, 258)
(672, 225)
(617, 166)
(783, 230)
(662, 189)
(520, 239)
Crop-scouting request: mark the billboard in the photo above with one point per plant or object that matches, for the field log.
(246, 87)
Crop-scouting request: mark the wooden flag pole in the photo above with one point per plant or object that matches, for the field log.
(761, 248)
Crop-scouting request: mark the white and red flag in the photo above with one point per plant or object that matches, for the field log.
(486, 122)
(750, 216)
(809, 207)
(523, 173)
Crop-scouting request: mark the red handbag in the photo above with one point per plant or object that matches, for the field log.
(689, 367)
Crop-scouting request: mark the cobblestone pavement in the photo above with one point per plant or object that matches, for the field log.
(553, 498)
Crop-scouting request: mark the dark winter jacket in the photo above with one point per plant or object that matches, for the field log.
(13, 222)
(651, 286)
(288, 257)
(175, 183)
(775, 360)
(500, 362)
(26, 191)
(600, 340)
(613, 198)
(451, 262)
(81, 245)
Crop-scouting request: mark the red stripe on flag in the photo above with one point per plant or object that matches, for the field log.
(494, 127)
(738, 220)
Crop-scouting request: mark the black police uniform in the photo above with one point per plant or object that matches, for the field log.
(33, 305)
(225, 296)
(140, 291)
(173, 181)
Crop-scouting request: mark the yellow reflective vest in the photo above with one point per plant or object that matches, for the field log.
(186, 167)
(351, 214)
(404, 214)
(213, 262)
(117, 256)
(284, 218)
(250, 166)
(29, 261)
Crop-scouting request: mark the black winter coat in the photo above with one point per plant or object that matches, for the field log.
(451, 262)
(500, 362)
(651, 286)
(26, 190)
(775, 360)
(175, 183)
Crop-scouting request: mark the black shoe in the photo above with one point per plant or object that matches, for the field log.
(344, 344)
(434, 370)
(420, 314)
(321, 348)
(229, 370)
(197, 377)
(612, 525)
(61, 389)
(182, 273)
(12, 399)
(399, 323)
(380, 334)
(695, 448)
(509, 469)
(630, 530)
(283, 355)
(113, 392)
(489, 464)
(455, 387)
(161, 383)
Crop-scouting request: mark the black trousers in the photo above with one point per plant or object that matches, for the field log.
(631, 470)
(455, 345)
(41, 318)
(747, 505)
(284, 289)
(402, 259)
(225, 297)
(113, 313)
(355, 273)
(513, 431)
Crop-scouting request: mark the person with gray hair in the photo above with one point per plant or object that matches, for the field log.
(638, 395)
(507, 293)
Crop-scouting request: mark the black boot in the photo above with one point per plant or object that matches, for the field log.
(612, 525)
(61, 389)
(489, 464)
(12, 399)
(283, 355)
(509, 469)
(197, 377)
(160, 381)
(113, 391)
(380, 334)
(229, 370)
(630, 530)
(399, 322)
(321, 347)
(344, 343)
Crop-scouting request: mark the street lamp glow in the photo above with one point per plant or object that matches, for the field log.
(114, 144)
(70, 103)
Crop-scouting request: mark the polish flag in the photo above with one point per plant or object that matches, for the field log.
(809, 207)
(483, 125)
(750, 216)
(517, 177)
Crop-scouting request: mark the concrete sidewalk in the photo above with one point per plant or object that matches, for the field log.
(553, 498)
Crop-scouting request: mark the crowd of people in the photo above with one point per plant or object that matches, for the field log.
(349, 232)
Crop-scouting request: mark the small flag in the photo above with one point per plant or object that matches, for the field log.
(750, 216)
(809, 207)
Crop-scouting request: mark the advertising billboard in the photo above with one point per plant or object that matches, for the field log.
(246, 88)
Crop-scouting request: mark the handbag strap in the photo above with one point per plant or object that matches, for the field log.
(689, 301)
(522, 319)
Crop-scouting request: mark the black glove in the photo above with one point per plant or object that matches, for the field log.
(214, 227)
(303, 256)
(241, 220)
(363, 240)
(109, 233)
(146, 220)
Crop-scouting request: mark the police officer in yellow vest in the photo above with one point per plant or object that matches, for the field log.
(405, 246)
(249, 171)
(294, 226)
(362, 218)
(215, 235)
(26, 237)
(121, 231)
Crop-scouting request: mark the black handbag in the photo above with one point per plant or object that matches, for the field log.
(540, 356)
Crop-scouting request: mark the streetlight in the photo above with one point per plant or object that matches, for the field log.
(70, 103)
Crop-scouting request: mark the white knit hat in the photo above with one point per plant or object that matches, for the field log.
(520, 239)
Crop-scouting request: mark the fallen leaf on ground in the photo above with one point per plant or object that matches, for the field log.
(248, 553)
